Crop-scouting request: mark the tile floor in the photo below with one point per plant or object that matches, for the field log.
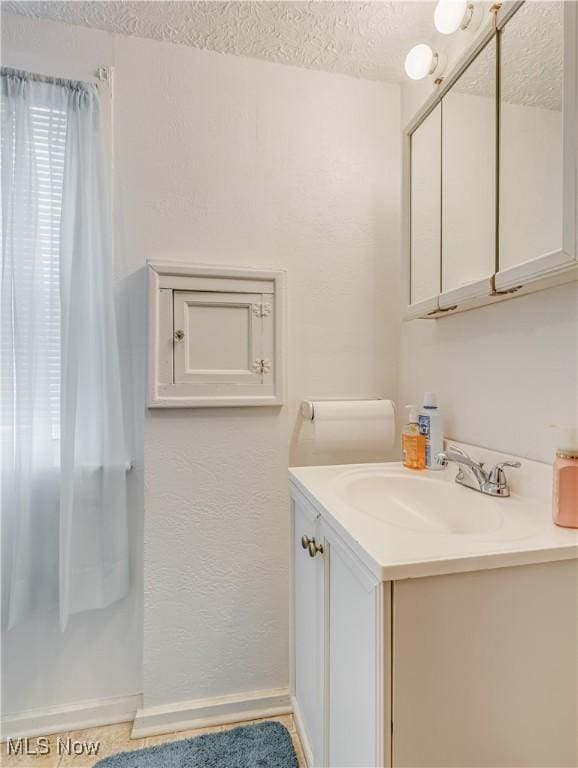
(116, 738)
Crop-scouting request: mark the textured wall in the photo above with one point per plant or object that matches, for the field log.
(230, 160)
(503, 373)
(224, 159)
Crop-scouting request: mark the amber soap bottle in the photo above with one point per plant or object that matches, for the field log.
(412, 442)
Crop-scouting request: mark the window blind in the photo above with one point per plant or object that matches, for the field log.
(34, 336)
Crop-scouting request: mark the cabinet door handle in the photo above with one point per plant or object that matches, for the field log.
(305, 541)
(314, 548)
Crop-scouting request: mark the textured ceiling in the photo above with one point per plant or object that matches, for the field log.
(368, 40)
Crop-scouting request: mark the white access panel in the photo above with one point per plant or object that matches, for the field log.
(216, 336)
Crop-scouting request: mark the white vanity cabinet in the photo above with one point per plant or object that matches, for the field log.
(468, 668)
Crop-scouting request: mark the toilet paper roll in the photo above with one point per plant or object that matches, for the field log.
(354, 425)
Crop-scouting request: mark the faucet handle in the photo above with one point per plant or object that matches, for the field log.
(442, 457)
(452, 450)
(498, 476)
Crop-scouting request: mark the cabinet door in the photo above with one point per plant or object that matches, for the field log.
(218, 337)
(223, 342)
(356, 664)
(308, 624)
(469, 181)
(425, 211)
(538, 143)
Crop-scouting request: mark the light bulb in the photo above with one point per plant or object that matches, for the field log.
(419, 62)
(449, 15)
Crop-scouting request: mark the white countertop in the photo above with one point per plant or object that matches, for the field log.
(519, 529)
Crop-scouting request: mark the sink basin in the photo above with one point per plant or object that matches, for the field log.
(420, 503)
(406, 524)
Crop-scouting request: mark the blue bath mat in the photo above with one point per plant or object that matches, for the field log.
(266, 745)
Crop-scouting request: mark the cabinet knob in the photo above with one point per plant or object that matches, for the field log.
(311, 545)
(314, 548)
(179, 335)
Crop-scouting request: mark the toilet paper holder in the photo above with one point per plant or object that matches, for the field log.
(308, 407)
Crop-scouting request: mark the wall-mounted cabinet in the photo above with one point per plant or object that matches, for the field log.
(491, 167)
(215, 336)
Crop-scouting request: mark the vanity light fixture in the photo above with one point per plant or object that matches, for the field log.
(451, 15)
(421, 61)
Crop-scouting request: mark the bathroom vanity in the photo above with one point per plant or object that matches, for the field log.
(432, 625)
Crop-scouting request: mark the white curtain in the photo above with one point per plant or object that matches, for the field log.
(64, 457)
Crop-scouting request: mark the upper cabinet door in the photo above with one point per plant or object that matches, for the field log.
(538, 129)
(469, 179)
(425, 211)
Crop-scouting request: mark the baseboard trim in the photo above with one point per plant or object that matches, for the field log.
(297, 719)
(83, 714)
(201, 713)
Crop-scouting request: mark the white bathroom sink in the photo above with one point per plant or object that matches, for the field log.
(407, 524)
(420, 502)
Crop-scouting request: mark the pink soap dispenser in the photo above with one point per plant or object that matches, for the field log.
(565, 489)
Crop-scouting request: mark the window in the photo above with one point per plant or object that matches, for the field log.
(64, 457)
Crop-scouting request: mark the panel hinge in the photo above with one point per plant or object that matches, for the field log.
(440, 311)
(262, 310)
(505, 292)
(262, 366)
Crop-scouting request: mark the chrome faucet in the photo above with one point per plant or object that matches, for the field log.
(492, 483)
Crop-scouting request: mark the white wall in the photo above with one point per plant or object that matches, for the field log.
(230, 160)
(503, 373)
